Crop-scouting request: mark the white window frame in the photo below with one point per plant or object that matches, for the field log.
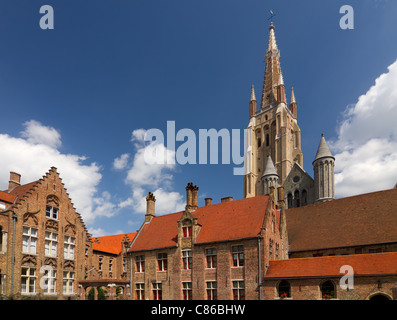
(68, 247)
(29, 240)
(50, 281)
(68, 282)
(28, 280)
(51, 244)
(187, 259)
(51, 212)
(140, 291)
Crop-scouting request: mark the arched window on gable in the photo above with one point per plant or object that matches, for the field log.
(289, 201)
(297, 199)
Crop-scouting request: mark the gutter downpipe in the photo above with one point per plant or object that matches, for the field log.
(259, 269)
(14, 219)
(131, 277)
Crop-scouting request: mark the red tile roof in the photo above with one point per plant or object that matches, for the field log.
(111, 244)
(238, 219)
(329, 266)
(6, 197)
(359, 220)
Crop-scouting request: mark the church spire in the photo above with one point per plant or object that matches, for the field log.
(272, 70)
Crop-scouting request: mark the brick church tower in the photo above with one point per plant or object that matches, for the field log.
(273, 132)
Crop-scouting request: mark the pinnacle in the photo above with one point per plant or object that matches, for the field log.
(253, 94)
(292, 95)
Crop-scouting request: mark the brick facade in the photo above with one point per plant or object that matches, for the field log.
(50, 241)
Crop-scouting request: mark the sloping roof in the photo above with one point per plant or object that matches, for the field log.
(6, 197)
(359, 220)
(329, 266)
(111, 244)
(19, 191)
(238, 219)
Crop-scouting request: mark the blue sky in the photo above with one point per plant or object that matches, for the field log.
(71, 97)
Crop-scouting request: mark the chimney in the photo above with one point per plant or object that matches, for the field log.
(280, 197)
(208, 201)
(226, 199)
(150, 207)
(15, 180)
(191, 196)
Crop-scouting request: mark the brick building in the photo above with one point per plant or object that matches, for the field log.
(45, 244)
(218, 251)
(109, 266)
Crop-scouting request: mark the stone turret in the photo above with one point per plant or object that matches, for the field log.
(323, 165)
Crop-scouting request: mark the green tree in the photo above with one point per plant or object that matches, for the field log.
(101, 294)
(91, 294)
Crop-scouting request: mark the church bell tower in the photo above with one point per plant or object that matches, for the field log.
(273, 132)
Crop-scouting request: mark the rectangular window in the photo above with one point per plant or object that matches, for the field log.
(187, 290)
(68, 281)
(140, 263)
(157, 291)
(187, 259)
(51, 212)
(110, 265)
(162, 262)
(28, 280)
(50, 244)
(50, 278)
(140, 291)
(210, 255)
(238, 290)
(29, 240)
(187, 232)
(100, 262)
(68, 247)
(211, 290)
(238, 256)
(124, 265)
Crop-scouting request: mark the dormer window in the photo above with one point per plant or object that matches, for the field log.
(187, 231)
(51, 212)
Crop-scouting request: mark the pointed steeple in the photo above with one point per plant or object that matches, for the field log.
(270, 178)
(272, 70)
(323, 167)
(323, 150)
(270, 170)
(272, 38)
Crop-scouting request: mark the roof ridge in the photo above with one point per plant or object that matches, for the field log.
(337, 256)
(344, 198)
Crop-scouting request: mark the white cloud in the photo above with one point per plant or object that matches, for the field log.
(36, 133)
(121, 162)
(151, 170)
(36, 151)
(366, 147)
